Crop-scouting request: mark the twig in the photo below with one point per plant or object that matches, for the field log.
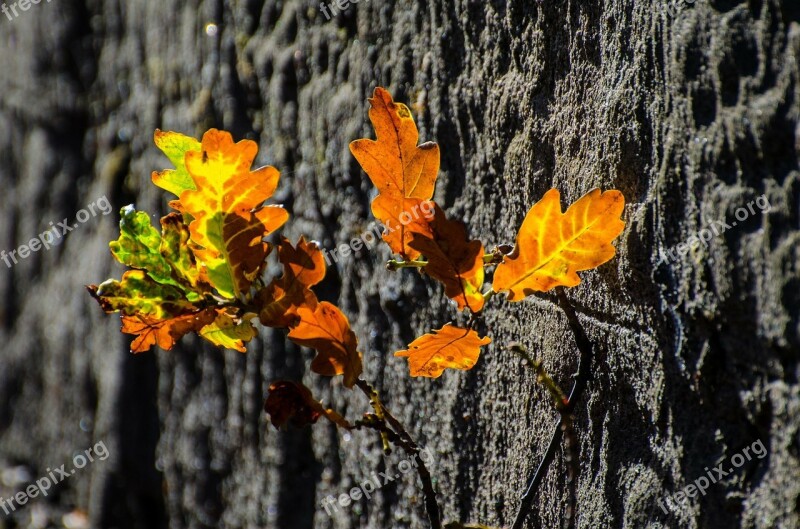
(581, 380)
(397, 434)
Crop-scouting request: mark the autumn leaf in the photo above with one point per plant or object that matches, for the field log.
(175, 146)
(292, 402)
(303, 267)
(552, 246)
(164, 256)
(228, 331)
(403, 171)
(327, 330)
(453, 259)
(449, 347)
(230, 220)
(164, 333)
(137, 293)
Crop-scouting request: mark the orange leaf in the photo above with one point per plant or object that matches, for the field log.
(230, 220)
(449, 347)
(327, 330)
(164, 333)
(453, 259)
(397, 166)
(552, 246)
(293, 402)
(303, 267)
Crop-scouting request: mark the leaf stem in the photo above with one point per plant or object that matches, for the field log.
(396, 433)
(581, 381)
(393, 264)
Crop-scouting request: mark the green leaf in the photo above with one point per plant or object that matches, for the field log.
(175, 146)
(229, 332)
(137, 293)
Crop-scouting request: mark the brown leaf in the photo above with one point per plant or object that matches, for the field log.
(293, 402)
(453, 259)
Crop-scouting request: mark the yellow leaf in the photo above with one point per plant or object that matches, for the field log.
(552, 246)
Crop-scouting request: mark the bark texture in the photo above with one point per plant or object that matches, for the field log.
(691, 109)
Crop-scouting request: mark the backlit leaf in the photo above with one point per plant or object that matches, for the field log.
(292, 402)
(228, 331)
(137, 293)
(164, 333)
(175, 146)
(230, 220)
(453, 259)
(449, 347)
(303, 267)
(552, 246)
(397, 166)
(327, 330)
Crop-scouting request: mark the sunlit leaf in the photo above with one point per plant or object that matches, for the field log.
(448, 348)
(552, 246)
(403, 171)
(326, 330)
(228, 331)
(175, 146)
(230, 220)
(453, 259)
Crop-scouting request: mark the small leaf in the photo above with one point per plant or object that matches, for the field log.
(453, 259)
(137, 293)
(164, 333)
(175, 146)
(303, 267)
(552, 246)
(397, 166)
(449, 347)
(292, 402)
(327, 330)
(228, 331)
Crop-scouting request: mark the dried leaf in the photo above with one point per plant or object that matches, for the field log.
(453, 259)
(292, 402)
(449, 347)
(552, 246)
(403, 172)
(327, 330)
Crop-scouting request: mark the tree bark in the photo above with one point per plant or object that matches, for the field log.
(691, 109)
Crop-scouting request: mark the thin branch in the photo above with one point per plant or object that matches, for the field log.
(581, 380)
(400, 437)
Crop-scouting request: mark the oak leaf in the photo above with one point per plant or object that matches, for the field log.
(552, 246)
(227, 205)
(164, 333)
(449, 347)
(175, 146)
(303, 267)
(292, 402)
(453, 259)
(403, 171)
(327, 330)
(228, 331)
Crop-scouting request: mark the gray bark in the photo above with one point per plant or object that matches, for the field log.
(691, 109)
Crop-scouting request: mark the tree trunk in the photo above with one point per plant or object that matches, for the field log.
(691, 109)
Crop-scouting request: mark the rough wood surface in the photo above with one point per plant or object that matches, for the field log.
(691, 109)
